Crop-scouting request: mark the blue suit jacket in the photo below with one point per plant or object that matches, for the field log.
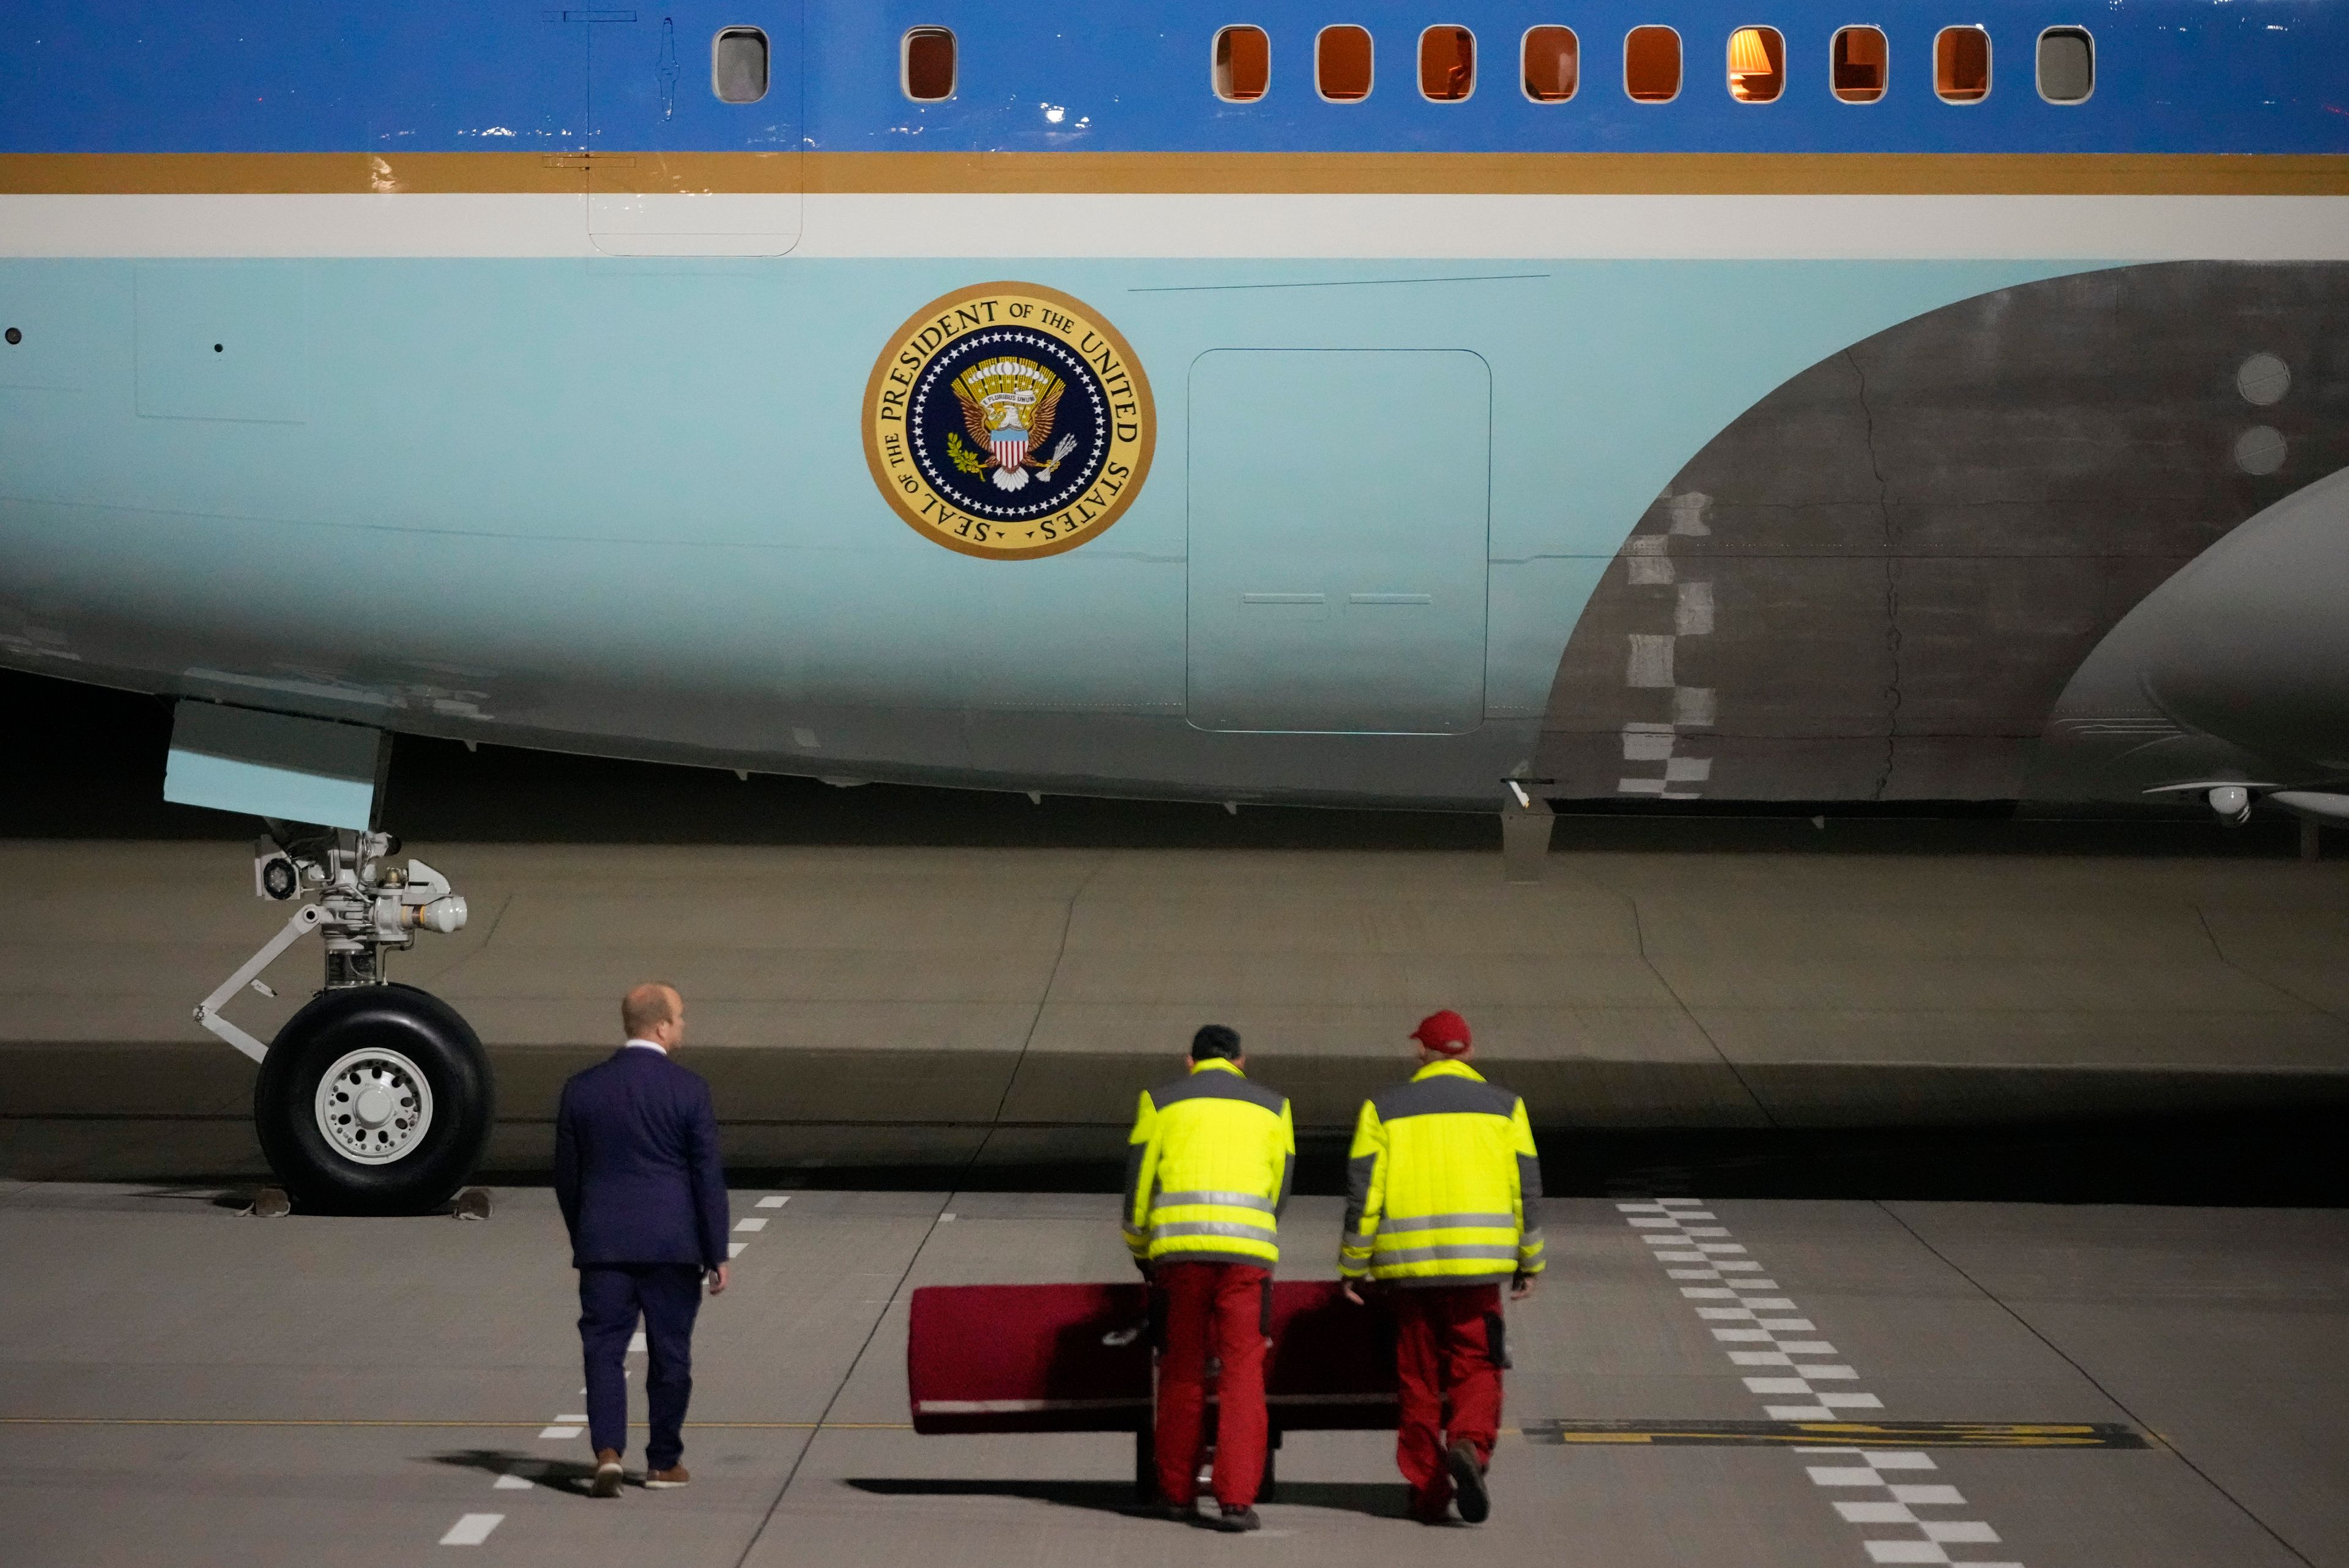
(636, 1163)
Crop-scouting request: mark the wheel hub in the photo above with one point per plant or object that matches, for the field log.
(374, 1105)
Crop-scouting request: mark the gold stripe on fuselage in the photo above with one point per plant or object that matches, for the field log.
(1185, 174)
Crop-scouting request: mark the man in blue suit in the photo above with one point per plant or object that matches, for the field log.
(643, 1193)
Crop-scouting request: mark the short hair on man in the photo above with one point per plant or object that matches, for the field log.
(647, 1006)
(1216, 1043)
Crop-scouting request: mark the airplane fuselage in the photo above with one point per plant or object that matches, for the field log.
(479, 371)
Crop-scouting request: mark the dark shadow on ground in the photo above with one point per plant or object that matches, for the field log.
(1378, 1499)
(2252, 1158)
(87, 763)
(567, 1476)
(2275, 1159)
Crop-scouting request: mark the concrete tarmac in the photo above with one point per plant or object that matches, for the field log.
(179, 1383)
(890, 1006)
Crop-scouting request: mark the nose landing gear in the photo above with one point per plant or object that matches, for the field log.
(376, 1097)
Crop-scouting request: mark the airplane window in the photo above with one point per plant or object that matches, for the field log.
(1341, 63)
(929, 64)
(1243, 64)
(1651, 64)
(1757, 65)
(1553, 64)
(1447, 64)
(1962, 64)
(737, 65)
(1858, 64)
(2067, 64)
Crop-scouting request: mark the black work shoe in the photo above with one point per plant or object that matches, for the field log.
(1475, 1503)
(607, 1474)
(1237, 1519)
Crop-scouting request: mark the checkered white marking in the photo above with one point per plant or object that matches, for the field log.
(1758, 1328)
(1648, 663)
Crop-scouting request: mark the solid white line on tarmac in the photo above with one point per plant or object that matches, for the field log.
(554, 1432)
(753, 1224)
(736, 1248)
(772, 1203)
(636, 1343)
(472, 1530)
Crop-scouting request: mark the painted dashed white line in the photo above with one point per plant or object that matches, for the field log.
(1758, 1328)
(472, 1530)
(474, 1527)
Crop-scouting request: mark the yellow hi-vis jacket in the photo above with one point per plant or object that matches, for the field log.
(1208, 1171)
(1438, 1180)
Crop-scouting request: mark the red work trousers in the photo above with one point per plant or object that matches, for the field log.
(1447, 1343)
(1212, 1309)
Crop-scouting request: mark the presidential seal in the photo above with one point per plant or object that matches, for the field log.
(1009, 420)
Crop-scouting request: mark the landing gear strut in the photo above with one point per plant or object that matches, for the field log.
(375, 1097)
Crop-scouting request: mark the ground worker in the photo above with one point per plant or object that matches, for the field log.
(1207, 1171)
(1442, 1178)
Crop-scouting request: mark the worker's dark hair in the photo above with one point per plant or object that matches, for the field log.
(1216, 1043)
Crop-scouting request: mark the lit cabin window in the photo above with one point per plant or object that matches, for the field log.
(1243, 64)
(1651, 64)
(1962, 64)
(1341, 64)
(1447, 64)
(929, 64)
(1857, 63)
(2067, 64)
(1553, 64)
(1757, 65)
(737, 65)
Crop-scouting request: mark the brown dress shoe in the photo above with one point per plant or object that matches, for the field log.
(673, 1476)
(607, 1474)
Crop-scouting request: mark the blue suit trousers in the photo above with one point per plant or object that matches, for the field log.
(611, 1297)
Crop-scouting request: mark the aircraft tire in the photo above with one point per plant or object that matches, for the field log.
(375, 1099)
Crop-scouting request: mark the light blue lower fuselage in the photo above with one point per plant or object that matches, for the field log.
(622, 506)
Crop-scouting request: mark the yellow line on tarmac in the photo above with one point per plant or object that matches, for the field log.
(1867, 1434)
(541, 1423)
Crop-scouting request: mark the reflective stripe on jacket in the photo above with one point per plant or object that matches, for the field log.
(1207, 1170)
(1438, 1180)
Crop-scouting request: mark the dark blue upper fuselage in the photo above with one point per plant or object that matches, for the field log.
(298, 76)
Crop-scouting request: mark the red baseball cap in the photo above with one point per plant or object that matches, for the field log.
(1446, 1031)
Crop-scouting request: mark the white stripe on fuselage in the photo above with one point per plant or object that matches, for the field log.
(1239, 227)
